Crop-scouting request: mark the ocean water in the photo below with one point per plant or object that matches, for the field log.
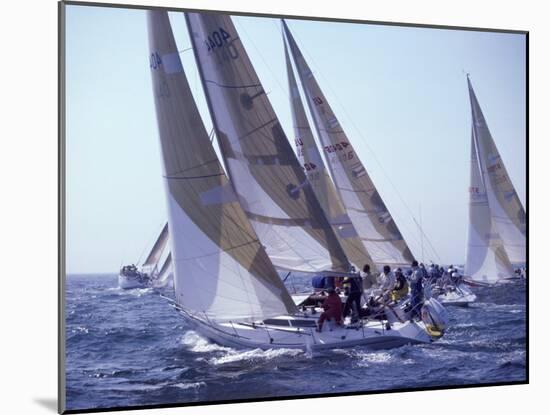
(130, 347)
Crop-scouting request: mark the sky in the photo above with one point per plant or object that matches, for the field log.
(400, 94)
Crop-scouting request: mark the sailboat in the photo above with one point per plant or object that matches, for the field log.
(363, 204)
(497, 222)
(151, 273)
(227, 237)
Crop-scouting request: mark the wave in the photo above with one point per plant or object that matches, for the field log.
(198, 344)
(253, 355)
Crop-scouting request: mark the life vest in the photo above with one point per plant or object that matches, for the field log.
(399, 293)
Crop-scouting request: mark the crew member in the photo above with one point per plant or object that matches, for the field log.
(332, 307)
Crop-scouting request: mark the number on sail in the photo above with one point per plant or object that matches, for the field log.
(217, 39)
(155, 61)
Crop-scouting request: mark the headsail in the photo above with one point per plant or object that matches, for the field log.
(156, 252)
(264, 171)
(319, 178)
(166, 268)
(220, 267)
(363, 203)
(506, 209)
(486, 259)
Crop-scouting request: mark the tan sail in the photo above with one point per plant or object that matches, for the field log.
(221, 269)
(264, 171)
(363, 203)
(506, 209)
(319, 178)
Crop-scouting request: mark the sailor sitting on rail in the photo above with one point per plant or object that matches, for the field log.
(401, 288)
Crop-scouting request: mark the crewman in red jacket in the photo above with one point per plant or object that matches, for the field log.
(333, 309)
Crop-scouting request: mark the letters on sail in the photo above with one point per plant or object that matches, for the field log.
(506, 209)
(319, 178)
(486, 259)
(364, 206)
(220, 267)
(265, 173)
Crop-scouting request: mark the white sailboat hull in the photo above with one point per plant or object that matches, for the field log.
(460, 297)
(374, 335)
(130, 282)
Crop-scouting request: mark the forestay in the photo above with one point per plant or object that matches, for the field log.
(220, 267)
(156, 252)
(363, 203)
(506, 209)
(264, 171)
(319, 178)
(486, 259)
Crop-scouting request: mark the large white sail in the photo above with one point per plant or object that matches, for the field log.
(319, 178)
(156, 252)
(221, 270)
(506, 209)
(264, 171)
(486, 259)
(363, 203)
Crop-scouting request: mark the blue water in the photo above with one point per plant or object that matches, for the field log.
(130, 347)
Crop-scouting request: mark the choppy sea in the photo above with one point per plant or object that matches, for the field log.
(130, 347)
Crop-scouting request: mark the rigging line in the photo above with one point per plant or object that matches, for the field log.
(427, 239)
(358, 131)
(407, 225)
(275, 77)
(185, 50)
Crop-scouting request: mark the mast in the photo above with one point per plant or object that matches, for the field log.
(363, 203)
(221, 271)
(265, 173)
(506, 209)
(486, 259)
(319, 178)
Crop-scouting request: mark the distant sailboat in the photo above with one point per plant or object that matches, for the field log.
(496, 218)
(507, 211)
(148, 273)
(486, 259)
(364, 205)
(226, 284)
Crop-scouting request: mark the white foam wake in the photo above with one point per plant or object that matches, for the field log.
(198, 344)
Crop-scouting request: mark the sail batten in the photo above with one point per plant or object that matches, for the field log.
(220, 268)
(507, 212)
(364, 205)
(268, 180)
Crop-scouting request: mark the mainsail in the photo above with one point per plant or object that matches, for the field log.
(265, 173)
(221, 269)
(363, 203)
(506, 209)
(156, 252)
(319, 178)
(486, 259)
